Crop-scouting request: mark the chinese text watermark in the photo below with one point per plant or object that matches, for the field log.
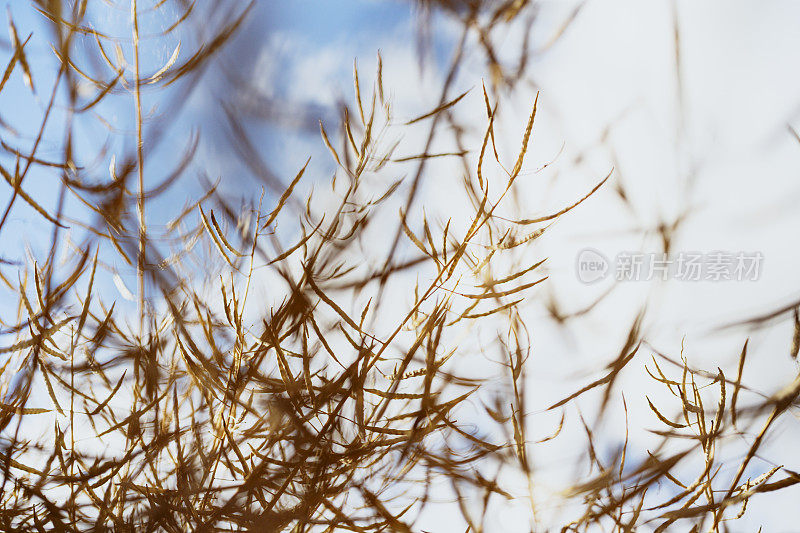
(593, 266)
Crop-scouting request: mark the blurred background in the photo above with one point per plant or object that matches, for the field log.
(692, 108)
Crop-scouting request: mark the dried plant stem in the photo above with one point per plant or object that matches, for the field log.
(140, 263)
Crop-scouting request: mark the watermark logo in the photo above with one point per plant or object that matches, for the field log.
(593, 266)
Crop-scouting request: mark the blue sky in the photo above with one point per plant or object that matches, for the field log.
(613, 72)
